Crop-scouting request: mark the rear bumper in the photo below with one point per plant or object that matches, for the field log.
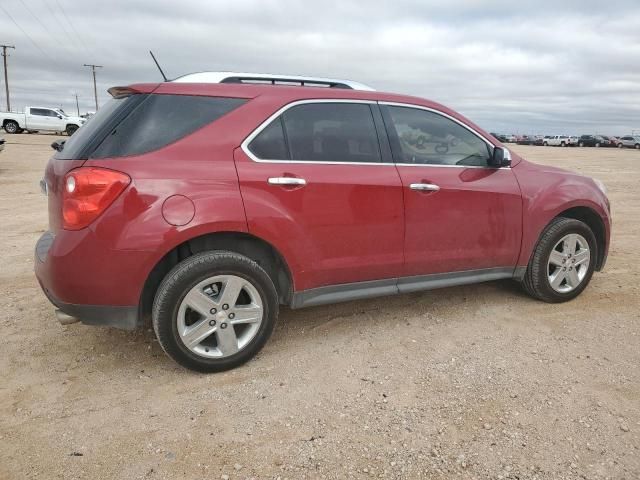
(69, 279)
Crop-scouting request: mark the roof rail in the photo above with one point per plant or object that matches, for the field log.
(270, 79)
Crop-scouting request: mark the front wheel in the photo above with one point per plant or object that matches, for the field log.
(563, 261)
(581, 144)
(619, 145)
(71, 129)
(214, 311)
(562, 144)
(637, 146)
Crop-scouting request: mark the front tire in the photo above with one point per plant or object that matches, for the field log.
(12, 127)
(637, 146)
(71, 129)
(214, 311)
(581, 144)
(563, 261)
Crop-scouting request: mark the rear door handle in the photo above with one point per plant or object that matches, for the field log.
(293, 181)
(424, 187)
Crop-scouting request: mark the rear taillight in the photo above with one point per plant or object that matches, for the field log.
(87, 192)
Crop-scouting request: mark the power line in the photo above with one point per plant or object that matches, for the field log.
(6, 75)
(25, 33)
(80, 38)
(44, 27)
(95, 89)
(59, 22)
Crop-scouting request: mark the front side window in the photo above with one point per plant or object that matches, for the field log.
(320, 132)
(425, 137)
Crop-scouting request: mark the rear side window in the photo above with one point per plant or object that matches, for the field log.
(160, 120)
(270, 143)
(320, 132)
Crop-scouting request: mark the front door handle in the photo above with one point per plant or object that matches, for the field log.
(424, 187)
(291, 181)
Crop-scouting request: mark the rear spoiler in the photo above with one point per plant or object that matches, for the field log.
(122, 92)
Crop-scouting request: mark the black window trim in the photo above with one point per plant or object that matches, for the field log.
(385, 160)
(393, 136)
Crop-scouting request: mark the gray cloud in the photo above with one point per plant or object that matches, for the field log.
(535, 68)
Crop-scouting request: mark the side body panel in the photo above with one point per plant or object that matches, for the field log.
(546, 193)
(473, 222)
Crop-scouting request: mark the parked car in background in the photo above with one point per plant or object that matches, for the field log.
(613, 141)
(592, 141)
(630, 141)
(512, 138)
(557, 141)
(36, 119)
(206, 203)
(525, 140)
(500, 136)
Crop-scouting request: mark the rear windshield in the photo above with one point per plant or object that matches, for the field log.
(75, 148)
(142, 123)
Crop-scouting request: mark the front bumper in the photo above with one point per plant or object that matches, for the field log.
(50, 275)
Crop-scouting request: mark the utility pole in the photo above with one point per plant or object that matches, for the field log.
(77, 106)
(6, 75)
(95, 90)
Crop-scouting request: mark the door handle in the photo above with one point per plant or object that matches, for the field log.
(293, 181)
(424, 187)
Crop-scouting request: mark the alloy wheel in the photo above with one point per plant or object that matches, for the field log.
(568, 263)
(220, 316)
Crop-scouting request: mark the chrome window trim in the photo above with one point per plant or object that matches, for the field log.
(245, 144)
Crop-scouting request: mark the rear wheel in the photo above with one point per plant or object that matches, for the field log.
(545, 144)
(562, 144)
(11, 127)
(214, 311)
(597, 145)
(563, 261)
(581, 144)
(620, 145)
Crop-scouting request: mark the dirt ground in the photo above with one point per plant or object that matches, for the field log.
(469, 382)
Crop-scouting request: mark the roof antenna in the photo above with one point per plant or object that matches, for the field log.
(158, 65)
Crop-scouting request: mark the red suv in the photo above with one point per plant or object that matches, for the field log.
(206, 203)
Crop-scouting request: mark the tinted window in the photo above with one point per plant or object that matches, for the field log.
(39, 112)
(77, 146)
(160, 120)
(331, 132)
(270, 143)
(426, 137)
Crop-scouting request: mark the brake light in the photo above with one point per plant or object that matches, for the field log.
(87, 192)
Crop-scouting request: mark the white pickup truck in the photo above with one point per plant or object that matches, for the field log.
(36, 119)
(559, 141)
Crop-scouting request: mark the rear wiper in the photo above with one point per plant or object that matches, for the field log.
(58, 145)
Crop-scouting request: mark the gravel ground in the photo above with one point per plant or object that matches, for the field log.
(469, 382)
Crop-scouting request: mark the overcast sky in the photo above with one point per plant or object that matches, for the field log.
(544, 67)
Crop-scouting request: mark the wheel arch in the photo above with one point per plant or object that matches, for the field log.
(255, 248)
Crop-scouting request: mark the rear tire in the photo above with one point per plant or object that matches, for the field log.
(581, 144)
(619, 145)
(542, 266)
(597, 145)
(545, 144)
(12, 127)
(185, 299)
(562, 144)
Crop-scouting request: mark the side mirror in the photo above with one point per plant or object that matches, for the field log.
(60, 117)
(501, 158)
